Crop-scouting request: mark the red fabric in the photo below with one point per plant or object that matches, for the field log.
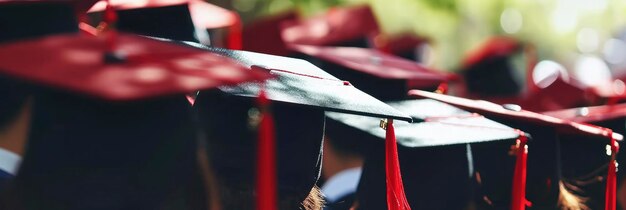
(396, 199)
(376, 63)
(593, 114)
(152, 68)
(335, 26)
(234, 37)
(493, 47)
(611, 179)
(266, 158)
(110, 17)
(518, 201)
(491, 109)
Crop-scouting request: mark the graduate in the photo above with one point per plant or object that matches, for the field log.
(20, 21)
(111, 128)
(608, 116)
(389, 78)
(555, 168)
(299, 96)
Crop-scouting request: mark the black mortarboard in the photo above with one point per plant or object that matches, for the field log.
(393, 76)
(435, 159)
(301, 93)
(554, 160)
(111, 133)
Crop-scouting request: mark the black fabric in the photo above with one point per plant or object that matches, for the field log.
(543, 167)
(232, 148)
(493, 76)
(13, 95)
(170, 22)
(433, 177)
(89, 154)
(492, 180)
(584, 166)
(26, 19)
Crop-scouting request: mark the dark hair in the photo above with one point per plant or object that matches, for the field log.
(232, 148)
(13, 95)
(85, 153)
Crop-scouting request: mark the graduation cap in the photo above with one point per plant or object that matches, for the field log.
(111, 127)
(609, 116)
(492, 72)
(184, 20)
(300, 94)
(350, 26)
(408, 46)
(393, 76)
(489, 70)
(434, 151)
(555, 144)
(21, 20)
(263, 35)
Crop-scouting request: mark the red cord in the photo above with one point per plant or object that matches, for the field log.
(396, 199)
(611, 180)
(519, 202)
(266, 157)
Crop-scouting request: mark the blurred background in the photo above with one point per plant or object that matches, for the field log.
(571, 32)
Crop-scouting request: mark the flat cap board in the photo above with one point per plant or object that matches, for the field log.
(149, 68)
(300, 82)
(515, 112)
(373, 62)
(440, 126)
(591, 114)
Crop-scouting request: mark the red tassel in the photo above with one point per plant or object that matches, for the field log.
(110, 17)
(518, 201)
(266, 158)
(396, 199)
(234, 37)
(611, 180)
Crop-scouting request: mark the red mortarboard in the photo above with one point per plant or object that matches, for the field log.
(336, 27)
(150, 67)
(263, 35)
(378, 66)
(491, 109)
(203, 15)
(404, 45)
(493, 47)
(514, 114)
(591, 114)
